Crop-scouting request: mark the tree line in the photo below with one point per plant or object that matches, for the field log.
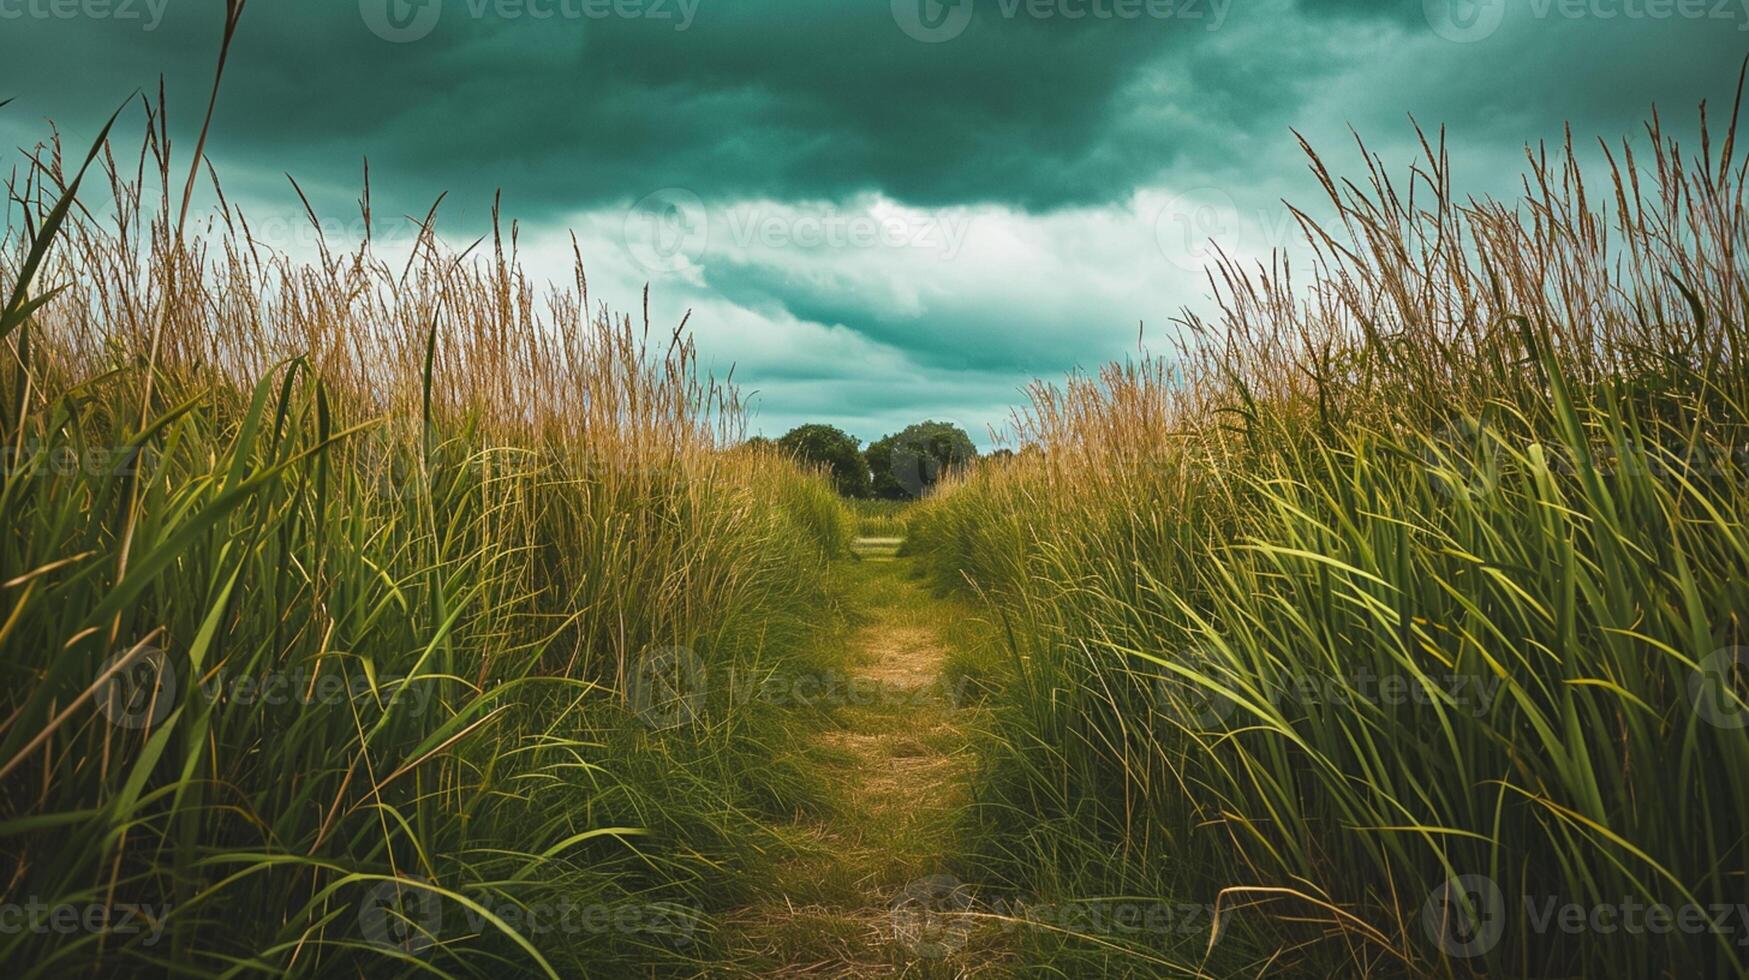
(904, 465)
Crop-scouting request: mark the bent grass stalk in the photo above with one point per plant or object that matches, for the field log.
(402, 537)
(1492, 454)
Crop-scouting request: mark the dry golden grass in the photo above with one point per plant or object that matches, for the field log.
(1488, 442)
(462, 525)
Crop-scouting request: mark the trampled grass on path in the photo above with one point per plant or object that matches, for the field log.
(874, 887)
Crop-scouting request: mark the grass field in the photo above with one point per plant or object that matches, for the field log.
(1399, 616)
(361, 618)
(882, 518)
(322, 655)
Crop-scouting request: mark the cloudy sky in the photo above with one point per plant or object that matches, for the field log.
(877, 210)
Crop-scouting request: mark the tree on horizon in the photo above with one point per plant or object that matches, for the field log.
(838, 451)
(907, 464)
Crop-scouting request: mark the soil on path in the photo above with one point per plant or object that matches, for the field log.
(864, 889)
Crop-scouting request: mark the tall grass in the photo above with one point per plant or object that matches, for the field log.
(1401, 602)
(881, 518)
(360, 617)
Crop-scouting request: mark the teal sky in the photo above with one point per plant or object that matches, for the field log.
(878, 210)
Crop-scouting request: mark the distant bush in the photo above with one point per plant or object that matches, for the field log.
(833, 448)
(908, 464)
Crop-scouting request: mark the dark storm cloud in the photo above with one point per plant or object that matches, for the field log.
(1064, 133)
(752, 97)
(738, 98)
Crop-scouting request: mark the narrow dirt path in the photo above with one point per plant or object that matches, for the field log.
(870, 890)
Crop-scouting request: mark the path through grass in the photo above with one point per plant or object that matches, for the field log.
(870, 888)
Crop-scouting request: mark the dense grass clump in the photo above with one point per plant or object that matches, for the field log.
(359, 617)
(881, 518)
(1404, 605)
